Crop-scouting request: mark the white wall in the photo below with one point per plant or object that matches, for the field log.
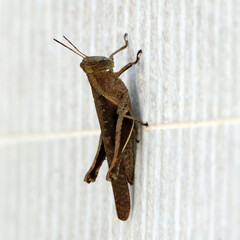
(187, 86)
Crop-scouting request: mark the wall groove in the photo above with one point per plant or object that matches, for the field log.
(10, 139)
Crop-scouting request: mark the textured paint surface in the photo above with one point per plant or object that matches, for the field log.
(187, 86)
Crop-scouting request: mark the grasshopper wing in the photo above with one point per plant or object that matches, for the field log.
(121, 195)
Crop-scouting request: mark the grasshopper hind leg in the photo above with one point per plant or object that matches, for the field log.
(97, 163)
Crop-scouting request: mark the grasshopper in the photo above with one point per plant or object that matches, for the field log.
(117, 124)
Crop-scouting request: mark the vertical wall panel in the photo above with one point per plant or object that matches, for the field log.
(186, 86)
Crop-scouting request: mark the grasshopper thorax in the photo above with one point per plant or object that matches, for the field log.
(96, 64)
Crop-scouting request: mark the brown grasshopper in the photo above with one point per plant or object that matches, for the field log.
(114, 112)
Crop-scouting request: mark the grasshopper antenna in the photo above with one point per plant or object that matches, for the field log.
(83, 56)
(74, 46)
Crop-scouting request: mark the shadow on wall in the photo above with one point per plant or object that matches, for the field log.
(134, 96)
(133, 91)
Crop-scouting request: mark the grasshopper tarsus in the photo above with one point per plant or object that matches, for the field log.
(126, 38)
(111, 175)
(88, 178)
(146, 124)
(138, 56)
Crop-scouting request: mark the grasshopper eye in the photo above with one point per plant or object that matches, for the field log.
(102, 62)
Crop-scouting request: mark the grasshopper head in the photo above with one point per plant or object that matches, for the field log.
(96, 64)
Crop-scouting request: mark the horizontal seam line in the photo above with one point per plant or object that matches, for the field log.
(70, 134)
